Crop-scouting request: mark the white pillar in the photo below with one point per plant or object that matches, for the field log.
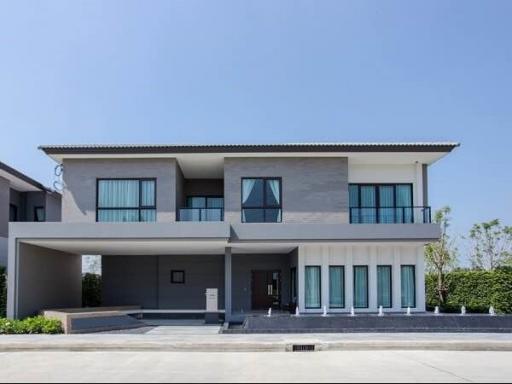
(420, 279)
(349, 278)
(372, 277)
(397, 284)
(325, 276)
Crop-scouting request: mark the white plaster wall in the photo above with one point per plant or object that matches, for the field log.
(370, 255)
(3, 251)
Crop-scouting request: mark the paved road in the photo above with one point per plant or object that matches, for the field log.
(362, 366)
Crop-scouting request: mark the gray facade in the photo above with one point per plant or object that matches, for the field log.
(80, 177)
(146, 281)
(315, 190)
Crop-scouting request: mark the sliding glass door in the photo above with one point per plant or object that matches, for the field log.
(408, 277)
(360, 286)
(384, 286)
(313, 287)
(336, 287)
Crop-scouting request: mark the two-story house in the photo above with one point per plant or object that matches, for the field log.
(23, 199)
(270, 226)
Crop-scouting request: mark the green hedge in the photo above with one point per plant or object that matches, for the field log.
(477, 290)
(31, 325)
(3, 292)
(91, 290)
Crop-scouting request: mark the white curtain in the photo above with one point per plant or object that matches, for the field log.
(247, 187)
(274, 186)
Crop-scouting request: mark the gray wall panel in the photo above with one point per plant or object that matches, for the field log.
(201, 272)
(48, 279)
(315, 190)
(79, 197)
(130, 280)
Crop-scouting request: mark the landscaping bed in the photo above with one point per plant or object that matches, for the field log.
(30, 326)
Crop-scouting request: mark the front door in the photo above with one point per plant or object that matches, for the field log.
(266, 290)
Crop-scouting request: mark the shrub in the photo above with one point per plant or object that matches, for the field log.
(476, 290)
(91, 290)
(3, 292)
(31, 325)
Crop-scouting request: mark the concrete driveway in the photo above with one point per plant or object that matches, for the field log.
(353, 366)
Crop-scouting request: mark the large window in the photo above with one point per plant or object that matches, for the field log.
(408, 277)
(361, 286)
(261, 200)
(127, 200)
(313, 283)
(384, 287)
(386, 204)
(336, 287)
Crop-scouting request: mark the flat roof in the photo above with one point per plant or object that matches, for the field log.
(19, 180)
(432, 147)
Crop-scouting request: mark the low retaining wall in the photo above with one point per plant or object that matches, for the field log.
(375, 324)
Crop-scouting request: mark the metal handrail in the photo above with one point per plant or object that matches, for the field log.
(391, 215)
(201, 214)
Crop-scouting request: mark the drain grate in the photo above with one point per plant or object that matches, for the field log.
(303, 348)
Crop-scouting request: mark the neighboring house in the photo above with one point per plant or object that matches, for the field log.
(269, 226)
(23, 199)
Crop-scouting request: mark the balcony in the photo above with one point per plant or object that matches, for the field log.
(201, 214)
(391, 215)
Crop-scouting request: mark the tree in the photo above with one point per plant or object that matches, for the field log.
(492, 245)
(442, 255)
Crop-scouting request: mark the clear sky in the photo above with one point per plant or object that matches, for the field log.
(267, 71)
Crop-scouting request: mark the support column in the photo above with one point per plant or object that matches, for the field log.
(372, 277)
(228, 258)
(325, 277)
(420, 280)
(397, 277)
(349, 277)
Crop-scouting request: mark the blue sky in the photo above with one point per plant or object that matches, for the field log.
(267, 71)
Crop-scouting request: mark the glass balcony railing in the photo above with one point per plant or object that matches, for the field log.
(391, 215)
(201, 214)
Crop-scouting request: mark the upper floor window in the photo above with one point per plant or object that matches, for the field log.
(379, 203)
(203, 208)
(39, 214)
(126, 200)
(261, 200)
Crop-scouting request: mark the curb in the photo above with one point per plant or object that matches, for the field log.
(257, 347)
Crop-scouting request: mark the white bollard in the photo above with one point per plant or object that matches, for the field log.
(436, 311)
(269, 312)
(409, 313)
(463, 311)
(352, 312)
(492, 311)
(297, 312)
(325, 312)
(381, 311)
